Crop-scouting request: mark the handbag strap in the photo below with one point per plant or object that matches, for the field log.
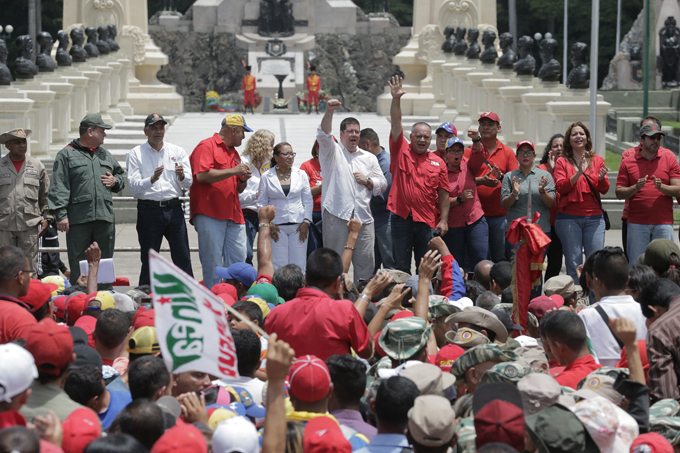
(605, 318)
(592, 189)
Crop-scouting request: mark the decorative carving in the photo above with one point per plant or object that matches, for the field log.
(113, 31)
(44, 59)
(670, 53)
(5, 75)
(526, 65)
(276, 18)
(473, 49)
(449, 39)
(460, 46)
(138, 42)
(103, 13)
(551, 70)
(78, 54)
(489, 55)
(25, 68)
(103, 41)
(275, 47)
(91, 46)
(455, 13)
(579, 77)
(429, 43)
(63, 58)
(103, 4)
(509, 56)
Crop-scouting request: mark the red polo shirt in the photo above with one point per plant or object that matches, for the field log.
(648, 206)
(16, 320)
(576, 371)
(578, 199)
(415, 181)
(218, 200)
(314, 323)
(463, 179)
(504, 158)
(313, 169)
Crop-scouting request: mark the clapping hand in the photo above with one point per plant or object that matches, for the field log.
(157, 174)
(641, 183)
(179, 171)
(603, 172)
(516, 185)
(542, 183)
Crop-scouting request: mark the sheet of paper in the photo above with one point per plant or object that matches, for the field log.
(107, 271)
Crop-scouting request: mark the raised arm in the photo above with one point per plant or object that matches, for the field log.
(264, 246)
(327, 122)
(395, 109)
(93, 255)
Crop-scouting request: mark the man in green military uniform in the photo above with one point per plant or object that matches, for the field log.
(23, 195)
(84, 176)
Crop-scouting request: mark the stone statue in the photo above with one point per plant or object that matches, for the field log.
(91, 46)
(25, 68)
(473, 49)
(44, 59)
(5, 75)
(78, 54)
(670, 52)
(450, 40)
(509, 56)
(489, 55)
(551, 70)
(113, 31)
(579, 76)
(635, 53)
(276, 18)
(526, 63)
(461, 45)
(63, 58)
(103, 41)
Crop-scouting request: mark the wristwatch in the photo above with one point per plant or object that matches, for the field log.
(368, 181)
(479, 139)
(515, 196)
(459, 199)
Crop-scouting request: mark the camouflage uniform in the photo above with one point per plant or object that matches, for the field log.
(439, 306)
(467, 437)
(663, 419)
(507, 308)
(480, 354)
(510, 372)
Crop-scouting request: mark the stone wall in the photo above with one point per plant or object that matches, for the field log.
(354, 67)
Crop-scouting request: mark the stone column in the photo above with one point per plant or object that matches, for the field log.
(478, 101)
(511, 114)
(14, 110)
(40, 114)
(61, 107)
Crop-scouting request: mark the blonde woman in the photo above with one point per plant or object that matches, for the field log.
(257, 156)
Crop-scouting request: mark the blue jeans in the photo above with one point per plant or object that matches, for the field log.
(383, 249)
(315, 238)
(220, 243)
(579, 234)
(497, 227)
(252, 220)
(409, 237)
(639, 237)
(469, 244)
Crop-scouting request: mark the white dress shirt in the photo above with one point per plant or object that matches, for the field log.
(248, 197)
(295, 207)
(142, 162)
(341, 195)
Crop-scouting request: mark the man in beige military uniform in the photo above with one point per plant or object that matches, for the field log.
(23, 195)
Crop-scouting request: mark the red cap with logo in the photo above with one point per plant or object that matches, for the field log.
(80, 428)
(490, 115)
(51, 346)
(309, 379)
(526, 142)
(447, 355)
(38, 294)
(323, 435)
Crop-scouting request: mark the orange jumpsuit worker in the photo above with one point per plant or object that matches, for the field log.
(249, 87)
(313, 86)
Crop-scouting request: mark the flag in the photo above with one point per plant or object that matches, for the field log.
(190, 322)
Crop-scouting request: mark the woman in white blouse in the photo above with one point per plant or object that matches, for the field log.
(287, 188)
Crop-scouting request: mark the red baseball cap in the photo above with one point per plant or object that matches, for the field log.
(655, 442)
(526, 142)
(309, 379)
(38, 294)
(181, 438)
(80, 428)
(323, 435)
(499, 416)
(541, 305)
(227, 299)
(144, 317)
(87, 323)
(559, 300)
(76, 305)
(490, 115)
(402, 314)
(222, 288)
(51, 346)
(376, 345)
(59, 304)
(447, 355)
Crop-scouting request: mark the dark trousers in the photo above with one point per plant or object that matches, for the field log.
(554, 255)
(315, 233)
(252, 221)
(624, 236)
(154, 223)
(81, 236)
(409, 237)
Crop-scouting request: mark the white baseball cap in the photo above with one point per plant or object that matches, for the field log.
(236, 434)
(19, 377)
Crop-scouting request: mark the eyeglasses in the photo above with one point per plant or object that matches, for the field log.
(30, 272)
(352, 132)
(657, 137)
(455, 151)
(286, 154)
(525, 153)
(422, 137)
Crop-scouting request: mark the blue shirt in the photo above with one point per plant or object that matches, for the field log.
(379, 203)
(386, 443)
(118, 385)
(117, 403)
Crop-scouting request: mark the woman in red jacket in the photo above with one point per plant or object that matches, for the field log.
(579, 223)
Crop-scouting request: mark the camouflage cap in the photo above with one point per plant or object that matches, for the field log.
(668, 427)
(533, 321)
(398, 276)
(610, 371)
(402, 338)
(482, 318)
(439, 306)
(466, 338)
(480, 354)
(667, 407)
(510, 372)
(467, 436)
(599, 385)
(510, 345)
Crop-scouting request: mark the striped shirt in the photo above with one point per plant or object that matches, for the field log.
(663, 352)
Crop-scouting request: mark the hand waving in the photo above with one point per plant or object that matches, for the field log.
(396, 87)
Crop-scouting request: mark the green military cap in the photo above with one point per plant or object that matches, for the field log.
(14, 134)
(571, 435)
(658, 253)
(467, 436)
(439, 306)
(466, 338)
(668, 427)
(510, 345)
(533, 321)
(482, 318)
(510, 372)
(94, 120)
(667, 407)
(477, 355)
(402, 338)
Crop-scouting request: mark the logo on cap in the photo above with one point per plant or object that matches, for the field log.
(466, 336)
(21, 133)
(511, 372)
(594, 383)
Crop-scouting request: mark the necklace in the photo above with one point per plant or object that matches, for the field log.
(282, 176)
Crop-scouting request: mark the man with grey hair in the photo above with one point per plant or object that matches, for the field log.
(15, 275)
(487, 300)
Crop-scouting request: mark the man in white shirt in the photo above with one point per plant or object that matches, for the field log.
(157, 172)
(607, 277)
(351, 177)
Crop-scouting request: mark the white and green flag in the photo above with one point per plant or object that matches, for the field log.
(190, 322)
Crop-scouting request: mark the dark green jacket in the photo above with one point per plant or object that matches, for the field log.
(77, 191)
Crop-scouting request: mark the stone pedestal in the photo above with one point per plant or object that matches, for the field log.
(478, 99)
(14, 110)
(511, 113)
(463, 116)
(536, 117)
(78, 97)
(40, 114)
(493, 96)
(61, 107)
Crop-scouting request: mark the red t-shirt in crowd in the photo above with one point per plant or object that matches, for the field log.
(648, 206)
(630, 152)
(504, 158)
(415, 181)
(16, 320)
(642, 349)
(576, 371)
(218, 200)
(463, 179)
(578, 199)
(313, 169)
(314, 323)
(553, 210)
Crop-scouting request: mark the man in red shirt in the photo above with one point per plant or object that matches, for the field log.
(219, 176)
(16, 320)
(420, 182)
(315, 322)
(249, 86)
(564, 339)
(499, 160)
(650, 179)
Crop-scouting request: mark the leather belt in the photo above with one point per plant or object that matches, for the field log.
(160, 204)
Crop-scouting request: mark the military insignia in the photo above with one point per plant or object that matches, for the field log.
(466, 336)
(511, 372)
(594, 383)
(21, 133)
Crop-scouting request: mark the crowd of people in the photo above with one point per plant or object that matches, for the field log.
(395, 358)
